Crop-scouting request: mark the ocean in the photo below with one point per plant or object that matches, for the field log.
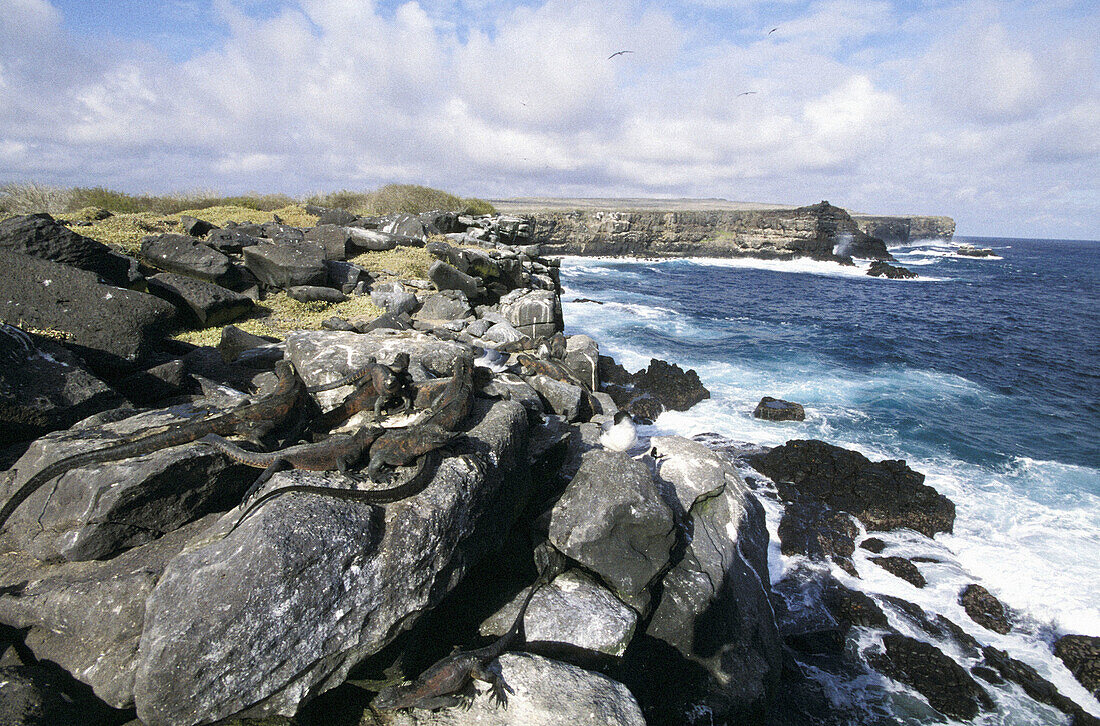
(983, 374)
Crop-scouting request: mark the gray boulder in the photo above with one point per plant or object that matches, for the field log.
(111, 328)
(230, 240)
(447, 277)
(370, 239)
(38, 235)
(478, 328)
(582, 357)
(342, 274)
(87, 616)
(714, 608)
(186, 255)
(547, 693)
(361, 575)
(774, 409)
(612, 520)
(405, 225)
(194, 226)
(324, 356)
(98, 510)
(45, 387)
(332, 238)
(563, 399)
(200, 303)
(445, 305)
(395, 301)
(535, 313)
(287, 263)
(341, 217)
(315, 293)
(501, 333)
(511, 387)
(573, 616)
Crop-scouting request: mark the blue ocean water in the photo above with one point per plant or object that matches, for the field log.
(983, 373)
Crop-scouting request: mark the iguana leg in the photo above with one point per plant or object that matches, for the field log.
(275, 467)
(498, 688)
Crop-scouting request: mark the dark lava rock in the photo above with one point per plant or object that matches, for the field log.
(984, 609)
(45, 695)
(39, 235)
(196, 227)
(873, 544)
(884, 495)
(1034, 685)
(287, 263)
(44, 387)
(112, 329)
(235, 341)
(901, 567)
(923, 667)
(893, 272)
(1081, 654)
(674, 387)
(230, 240)
(187, 256)
(813, 529)
(774, 409)
(341, 217)
(852, 606)
(315, 293)
(201, 303)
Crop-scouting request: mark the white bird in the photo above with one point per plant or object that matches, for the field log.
(492, 359)
(619, 434)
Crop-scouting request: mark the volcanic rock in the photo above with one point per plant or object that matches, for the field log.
(287, 263)
(38, 235)
(1081, 654)
(112, 329)
(44, 387)
(901, 567)
(200, 303)
(884, 495)
(186, 255)
(813, 529)
(922, 666)
(984, 609)
(774, 409)
(879, 268)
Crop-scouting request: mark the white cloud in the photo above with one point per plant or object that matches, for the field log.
(855, 102)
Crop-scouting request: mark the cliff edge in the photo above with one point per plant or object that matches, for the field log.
(819, 231)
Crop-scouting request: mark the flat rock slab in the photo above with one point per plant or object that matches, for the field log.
(186, 255)
(546, 693)
(287, 263)
(774, 409)
(227, 631)
(40, 236)
(110, 327)
(45, 387)
(535, 313)
(199, 302)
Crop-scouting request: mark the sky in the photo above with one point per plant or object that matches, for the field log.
(987, 111)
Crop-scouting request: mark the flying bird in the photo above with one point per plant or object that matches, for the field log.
(619, 52)
(746, 93)
(772, 30)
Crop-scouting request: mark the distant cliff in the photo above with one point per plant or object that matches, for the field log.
(820, 231)
(902, 230)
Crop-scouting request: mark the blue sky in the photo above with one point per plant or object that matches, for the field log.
(987, 111)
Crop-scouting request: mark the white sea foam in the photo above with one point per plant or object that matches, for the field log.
(804, 265)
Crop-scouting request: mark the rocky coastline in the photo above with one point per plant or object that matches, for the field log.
(133, 588)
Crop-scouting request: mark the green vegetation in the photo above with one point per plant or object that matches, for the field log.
(409, 198)
(404, 262)
(84, 203)
(279, 315)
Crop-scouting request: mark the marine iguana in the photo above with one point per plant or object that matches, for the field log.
(425, 468)
(351, 378)
(454, 401)
(251, 420)
(338, 452)
(399, 447)
(392, 380)
(448, 682)
(531, 366)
